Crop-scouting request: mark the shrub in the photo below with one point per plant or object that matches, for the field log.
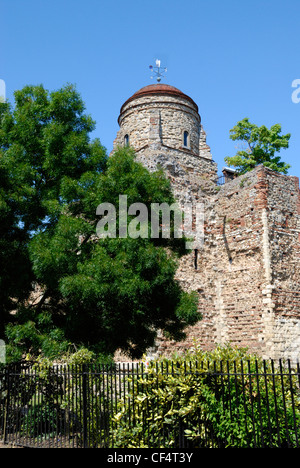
(226, 398)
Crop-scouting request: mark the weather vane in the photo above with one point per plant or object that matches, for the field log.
(158, 70)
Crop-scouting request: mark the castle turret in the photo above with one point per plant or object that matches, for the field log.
(164, 127)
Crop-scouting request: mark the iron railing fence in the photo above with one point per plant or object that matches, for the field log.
(220, 180)
(166, 405)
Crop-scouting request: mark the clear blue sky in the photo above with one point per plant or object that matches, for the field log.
(235, 58)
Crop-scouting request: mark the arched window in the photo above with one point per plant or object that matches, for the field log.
(186, 139)
(126, 140)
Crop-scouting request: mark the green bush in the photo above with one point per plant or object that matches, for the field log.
(40, 420)
(226, 398)
(48, 397)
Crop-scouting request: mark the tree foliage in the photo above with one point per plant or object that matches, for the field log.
(104, 294)
(261, 146)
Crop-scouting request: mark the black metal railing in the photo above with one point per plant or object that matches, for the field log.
(172, 405)
(220, 180)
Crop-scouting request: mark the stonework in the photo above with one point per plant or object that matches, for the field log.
(247, 272)
(155, 119)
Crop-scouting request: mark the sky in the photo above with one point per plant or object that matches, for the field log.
(234, 58)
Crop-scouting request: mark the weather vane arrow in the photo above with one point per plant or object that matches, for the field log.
(157, 70)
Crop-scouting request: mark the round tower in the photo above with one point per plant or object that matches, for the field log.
(163, 126)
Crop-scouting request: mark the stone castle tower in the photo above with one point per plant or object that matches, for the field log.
(248, 272)
(164, 127)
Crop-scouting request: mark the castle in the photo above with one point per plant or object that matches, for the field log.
(247, 271)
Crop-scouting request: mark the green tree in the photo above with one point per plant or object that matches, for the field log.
(104, 294)
(15, 270)
(43, 140)
(261, 146)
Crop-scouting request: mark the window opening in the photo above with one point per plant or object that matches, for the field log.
(186, 139)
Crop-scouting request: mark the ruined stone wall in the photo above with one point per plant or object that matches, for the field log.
(247, 273)
(184, 170)
(230, 272)
(284, 243)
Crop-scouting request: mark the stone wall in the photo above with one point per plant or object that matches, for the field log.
(230, 273)
(247, 273)
(284, 243)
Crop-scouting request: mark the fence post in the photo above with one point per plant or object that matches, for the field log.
(6, 406)
(84, 405)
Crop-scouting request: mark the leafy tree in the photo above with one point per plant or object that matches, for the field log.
(43, 141)
(262, 144)
(104, 294)
(114, 293)
(15, 271)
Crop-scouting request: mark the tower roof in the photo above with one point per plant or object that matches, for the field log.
(159, 89)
